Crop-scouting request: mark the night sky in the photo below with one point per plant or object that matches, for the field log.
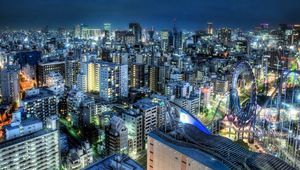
(190, 14)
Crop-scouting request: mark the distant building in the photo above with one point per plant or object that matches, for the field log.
(210, 30)
(107, 30)
(164, 39)
(224, 36)
(115, 162)
(136, 29)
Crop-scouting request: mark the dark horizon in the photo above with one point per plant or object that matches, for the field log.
(189, 14)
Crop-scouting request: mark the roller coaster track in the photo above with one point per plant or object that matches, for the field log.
(246, 115)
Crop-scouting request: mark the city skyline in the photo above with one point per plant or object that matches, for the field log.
(149, 85)
(190, 15)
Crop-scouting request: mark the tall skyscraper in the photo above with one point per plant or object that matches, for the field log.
(72, 70)
(107, 30)
(153, 73)
(137, 72)
(224, 36)
(164, 36)
(136, 29)
(177, 38)
(10, 88)
(210, 30)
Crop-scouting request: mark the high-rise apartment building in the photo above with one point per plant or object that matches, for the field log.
(10, 88)
(108, 79)
(40, 103)
(72, 70)
(137, 72)
(38, 148)
(153, 73)
(133, 120)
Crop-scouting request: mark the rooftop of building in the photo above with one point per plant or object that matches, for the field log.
(40, 93)
(115, 161)
(195, 154)
(24, 138)
(51, 63)
(144, 104)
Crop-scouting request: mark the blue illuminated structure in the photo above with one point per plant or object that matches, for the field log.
(186, 117)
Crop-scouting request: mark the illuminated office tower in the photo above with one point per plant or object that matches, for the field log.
(164, 36)
(77, 31)
(224, 36)
(136, 29)
(10, 88)
(134, 122)
(43, 70)
(31, 146)
(40, 103)
(107, 30)
(177, 38)
(210, 30)
(72, 70)
(137, 73)
(153, 73)
(90, 33)
(116, 136)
